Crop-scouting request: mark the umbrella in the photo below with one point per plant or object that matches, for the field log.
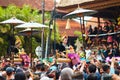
(80, 12)
(12, 20)
(28, 32)
(31, 25)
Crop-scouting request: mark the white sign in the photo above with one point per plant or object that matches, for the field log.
(38, 51)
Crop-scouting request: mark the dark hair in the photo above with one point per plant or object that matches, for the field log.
(8, 74)
(105, 67)
(40, 66)
(27, 74)
(20, 76)
(92, 76)
(117, 71)
(43, 68)
(2, 78)
(105, 22)
(107, 78)
(78, 75)
(92, 68)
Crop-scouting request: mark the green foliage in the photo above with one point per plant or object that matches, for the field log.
(12, 11)
(55, 35)
(79, 34)
(2, 14)
(26, 13)
(34, 44)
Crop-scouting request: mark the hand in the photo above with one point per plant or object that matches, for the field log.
(84, 62)
(109, 53)
(4, 73)
(113, 59)
(115, 77)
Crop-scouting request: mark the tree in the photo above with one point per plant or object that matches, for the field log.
(26, 13)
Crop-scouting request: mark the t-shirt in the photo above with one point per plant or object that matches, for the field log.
(106, 28)
(105, 53)
(106, 76)
(111, 28)
(97, 74)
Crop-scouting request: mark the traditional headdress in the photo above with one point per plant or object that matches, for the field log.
(64, 36)
(18, 41)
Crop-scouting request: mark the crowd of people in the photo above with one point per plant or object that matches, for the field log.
(53, 70)
(84, 63)
(107, 28)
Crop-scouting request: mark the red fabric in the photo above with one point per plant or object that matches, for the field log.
(74, 57)
(109, 39)
(25, 57)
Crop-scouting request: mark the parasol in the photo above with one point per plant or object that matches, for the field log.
(31, 25)
(79, 12)
(28, 32)
(12, 20)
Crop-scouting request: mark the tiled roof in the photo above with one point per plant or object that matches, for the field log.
(64, 3)
(75, 26)
(35, 4)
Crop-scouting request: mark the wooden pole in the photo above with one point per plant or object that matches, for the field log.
(98, 21)
(42, 39)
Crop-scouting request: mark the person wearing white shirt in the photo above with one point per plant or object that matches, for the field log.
(88, 52)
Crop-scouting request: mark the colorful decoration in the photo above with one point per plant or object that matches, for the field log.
(68, 24)
(118, 20)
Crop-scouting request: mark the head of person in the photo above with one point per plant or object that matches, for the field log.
(92, 68)
(114, 46)
(40, 67)
(106, 77)
(51, 72)
(105, 23)
(100, 69)
(110, 46)
(100, 28)
(66, 74)
(64, 39)
(78, 76)
(95, 28)
(81, 48)
(106, 68)
(110, 23)
(19, 70)
(87, 48)
(20, 76)
(27, 74)
(92, 76)
(9, 71)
